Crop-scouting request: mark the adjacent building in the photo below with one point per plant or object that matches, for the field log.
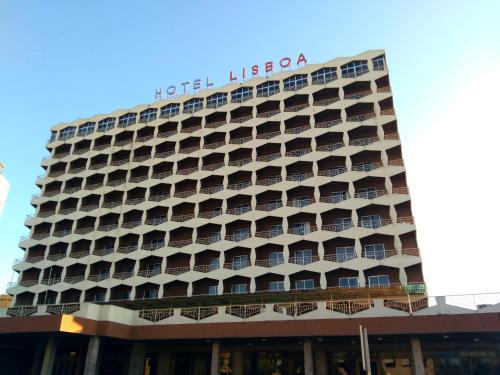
(245, 229)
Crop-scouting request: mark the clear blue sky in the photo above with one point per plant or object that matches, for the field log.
(64, 60)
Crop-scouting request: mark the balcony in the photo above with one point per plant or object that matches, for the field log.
(298, 177)
(339, 258)
(303, 260)
(99, 277)
(302, 230)
(378, 254)
(177, 270)
(337, 227)
(270, 233)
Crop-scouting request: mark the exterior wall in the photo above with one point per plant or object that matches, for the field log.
(100, 198)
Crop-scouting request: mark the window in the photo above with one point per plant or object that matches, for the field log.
(367, 193)
(343, 223)
(354, 69)
(345, 253)
(215, 236)
(154, 269)
(86, 128)
(375, 251)
(239, 288)
(268, 88)
(379, 63)
(157, 243)
(242, 94)
(53, 135)
(67, 133)
(295, 82)
(275, 258)
(241, 234)
(274, 203)
(338, 196)
(240, 261)
(371, 221)
(106, 124)
(217, 100)
(151, 294)
(213, 290)
(301, 228)
(323, 76)
(304, 284)
(214, 264)
(127, 120)
(170, 110)
(348, 282)
(99, 297)
(193, 105)
(301, 201)
(126, 295)
(275, 230)
(242, 208)
(148, 115)
(276, 286)
(379, 280)
(303, 256)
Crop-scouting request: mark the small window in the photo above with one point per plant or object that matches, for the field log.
(242, 94)
(213, 290)
(304, 284)
(241, 234)
(303, 256)
(379, 63)
(275, 230)
(275, 258)
(345, 253)
(53, 135)
(324, 75)
(371, 221)
(99, 297)
(276, 286)
(240, 261)
(375, 251)
(214, 264)
(106, 124)
(295, 82)
(151, 294)
(217, 100)
(148, 115)
(268, 88)
(193, 105)
(86, 128)
(378, 281)
(239, 288)
(354, 69)
(301, 228)
(127, 120)
(343, 223)
(338, 196)
(170, 110)
(67, 133)
(348, 282)
(367, 193)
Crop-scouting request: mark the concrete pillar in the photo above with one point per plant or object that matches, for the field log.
(137, 355)
(417, 357)
(215, 364)
(320, 362)
(165, 363)
(308, 358)
(91, 367)
(37, 359)
(237, 365)
(49, 356)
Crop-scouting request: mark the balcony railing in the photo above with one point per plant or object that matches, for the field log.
(298, 129)
(241, 119)
(107, 227)
(210, 214)
(396, 163)
(177, 270)
(303, 260)
(391, 137)
(131, 224)
(239, 163)
(211, 189)
(363, 141)
(269, 181)
(299, 176)
(337, 227)
(357, 95)
(74, 279)
(182, 218)
(90, 207)
(99, 277)
(180, 243)
(123, 275)
(164, 154)
(51, 281)
(298, 153)
(270, 233)
(61, 233)
(239, 185)
(79, 254)
(370, 194)
(360, 118)
(269, 157)
(303, 202)
(339, 258)
(156, 220)
(374, 224)
(186, 171)
(215, 124)
(127, 249)
(205, 268)
(28, 283)
(152, 246)
(149, 273)
(239, 141)
(103, 251)
(238, 237)
(331, 147)
(269, 135)
(184, 194)
(56, 257)
(158, 197)
(188, 150)
(406, 220)
(116, 182)
(269, 262)
(413, 251)
(237, 265)
(327, 123)
(34, 259)
(387, 112)
(239, 210)
(214, 145)
(268, 113)
(209, 240)
(367, 167)
(324, 102)
(378, 254)
(296, 108)
(269, 206)
(335, 198)
(161, 175)
(302, 231)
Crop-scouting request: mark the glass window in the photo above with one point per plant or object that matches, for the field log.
(338, 196)
(375, 251)
(379, 280)
(301, 228)
(86, 128)
(242, 94)
(345, 253)
(126, 295)
(239, 288)
(214, 264)
(213, 290)
(348, 282)
(151, 293)
(371, 221)
(215, 236)
(53, 135)
(303, 256)
(106, 124)
(268, 88)
(217, 100)
(274, 203)
(295, 82)
(241, 234)
(301, 201)
(304, 284)
(170, 110)
(379, 63)
(323, 76)
(240, 261)
(127, 119)
(67, 133)
(343, 223)
(99, 297)
(193, 105)
(148, 115)
(354, 69)
(276, 286)
(367, 193)
(275, 258)
(275, 230)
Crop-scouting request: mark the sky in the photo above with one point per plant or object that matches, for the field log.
(61, 61)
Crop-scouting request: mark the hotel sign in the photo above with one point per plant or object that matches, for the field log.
(196, 85)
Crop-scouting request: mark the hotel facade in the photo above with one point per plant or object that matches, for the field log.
(247, 229)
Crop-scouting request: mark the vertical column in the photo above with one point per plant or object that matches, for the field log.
(308, 358)
(164, 363)
(215, 364)
(237, 365)
(37, 359)
(320, 362)
(417, 357)
(92, 357)
(49, 356)
(136, 363)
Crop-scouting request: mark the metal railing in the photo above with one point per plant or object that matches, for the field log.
(327, 123)
(337, 227)
(299, 176)
(164, 154)
(324, 102)
(363, 141)
(239, 141)
(268, 158)
(269, 135)
(270, 233)
(241, 119)
(182, 218)
(332, 172)
(370, 194)
(331, 147)
(211, 146)
(269, 206)
(339, 258)
(303, 260)
(361, 118)
(180, 243)
(378, 254)
(268, 113)
(239, 163)
(358, 95)
(298, 129)
(296, 108)
(335, 198)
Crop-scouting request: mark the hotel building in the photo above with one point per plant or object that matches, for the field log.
(241, 229)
